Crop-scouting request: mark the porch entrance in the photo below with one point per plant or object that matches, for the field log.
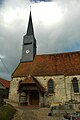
(34, 97)
(30, 91)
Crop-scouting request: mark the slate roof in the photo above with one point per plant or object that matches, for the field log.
(52, 64)
(30, 30)
(5, 83)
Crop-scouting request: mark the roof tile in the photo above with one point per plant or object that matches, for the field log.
(53, 64)
(5, 83)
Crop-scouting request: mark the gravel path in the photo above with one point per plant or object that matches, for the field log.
(34, 114)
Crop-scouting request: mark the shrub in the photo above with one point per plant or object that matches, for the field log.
(7, 112)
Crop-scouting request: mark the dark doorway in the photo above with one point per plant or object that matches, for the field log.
(34, 97)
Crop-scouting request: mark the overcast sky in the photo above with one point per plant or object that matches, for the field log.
(56, 26)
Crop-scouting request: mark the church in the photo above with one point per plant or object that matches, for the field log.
(44, 79)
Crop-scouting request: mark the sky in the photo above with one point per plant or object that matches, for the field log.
(56, 27)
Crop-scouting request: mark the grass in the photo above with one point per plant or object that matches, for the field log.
(7, 112)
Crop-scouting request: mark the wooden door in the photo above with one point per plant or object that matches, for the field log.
(34, 97)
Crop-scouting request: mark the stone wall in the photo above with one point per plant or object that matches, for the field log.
(59, 90)
(63, 90)
(69, 88)
(13, 92)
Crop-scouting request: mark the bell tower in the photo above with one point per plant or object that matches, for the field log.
(29, 43)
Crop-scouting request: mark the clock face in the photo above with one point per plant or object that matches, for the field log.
(27, 51)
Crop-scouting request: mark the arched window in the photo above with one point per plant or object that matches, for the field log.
(75, 85)
(50, 86)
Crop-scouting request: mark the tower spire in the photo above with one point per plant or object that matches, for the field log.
(29, 43)
(30, 29)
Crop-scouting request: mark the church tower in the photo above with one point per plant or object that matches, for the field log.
(29, 43)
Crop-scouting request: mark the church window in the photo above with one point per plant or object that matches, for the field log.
(50, 86)
(75, 85)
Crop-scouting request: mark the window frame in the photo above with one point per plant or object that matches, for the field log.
(50, 85)
(75, 85)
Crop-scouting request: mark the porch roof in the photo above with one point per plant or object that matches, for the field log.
(31, 80)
